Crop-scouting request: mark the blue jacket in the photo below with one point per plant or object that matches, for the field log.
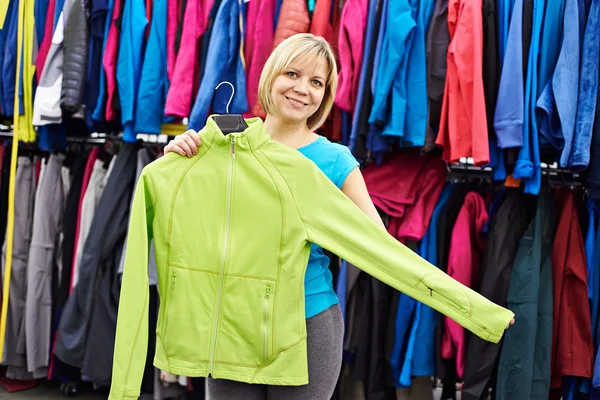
(10, 58)
(224, 63)
(405, 31)
(40, 14)
(100, 108)
(154, 84)
(588, 92)
(528, 165)
(510, 106)
(362, 86)
(559, 100)
(99, 14)
(129, 63)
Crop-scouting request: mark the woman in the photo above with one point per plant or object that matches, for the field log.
(296, 90)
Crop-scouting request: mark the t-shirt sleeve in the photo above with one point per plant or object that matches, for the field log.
(344, 164)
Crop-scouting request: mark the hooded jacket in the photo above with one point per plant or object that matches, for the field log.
(230, 272)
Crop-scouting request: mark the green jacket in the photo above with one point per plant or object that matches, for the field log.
(232, 230)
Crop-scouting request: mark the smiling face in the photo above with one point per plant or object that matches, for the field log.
(298, 91)
(299, 80)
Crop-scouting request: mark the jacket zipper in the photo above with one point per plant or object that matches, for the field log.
(223, 259)
(166, 319)
(265, 321)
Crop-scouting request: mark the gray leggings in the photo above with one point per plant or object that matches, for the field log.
(325, 332)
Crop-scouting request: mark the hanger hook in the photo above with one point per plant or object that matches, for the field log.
(232, 94)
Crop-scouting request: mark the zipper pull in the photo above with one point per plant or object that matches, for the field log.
(268, 292)
(430, 292)
(233, 146)
(173, 281)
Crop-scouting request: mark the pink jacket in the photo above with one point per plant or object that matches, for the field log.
(258, 46)
(466, 250)
(320, 25)
(353, 25)
(173, 23)
(186, 70)
(111, 53)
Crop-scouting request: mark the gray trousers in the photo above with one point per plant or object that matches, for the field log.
(14, 342)
(47, 225)
(325, 333)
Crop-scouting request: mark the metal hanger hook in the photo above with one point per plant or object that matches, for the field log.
(232, 94)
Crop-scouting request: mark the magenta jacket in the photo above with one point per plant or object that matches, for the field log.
(353, 24)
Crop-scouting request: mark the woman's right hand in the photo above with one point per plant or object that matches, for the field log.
(185, 144)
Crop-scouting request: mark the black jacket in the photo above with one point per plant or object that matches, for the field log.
(75, 45)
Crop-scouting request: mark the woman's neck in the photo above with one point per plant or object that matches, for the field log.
(291, 135)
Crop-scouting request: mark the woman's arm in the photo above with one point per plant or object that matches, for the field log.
(185, 144)
(356, 189)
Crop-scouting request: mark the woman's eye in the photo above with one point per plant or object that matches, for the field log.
(318, 83)
(291, 74)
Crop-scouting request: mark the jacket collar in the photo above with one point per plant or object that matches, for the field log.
(252, 137)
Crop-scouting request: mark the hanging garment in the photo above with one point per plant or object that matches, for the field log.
(238, 163)
(466, 248)
(350, 41)
(438, 39)
(183, 84)
(507, 227)
(15, 356)
(524, 362)
(293, 19)
(46, 106)
(62, 280)
(463, 127)
(110, 60)
(572, 346)
(129, 63)
(320, 24)
(224, 63)
(47, 225)
(76, 50)
(40, 60)
(258, 47)
(98, 358)
(510, 104)
(88, 208)
(558, 103)
(588, 91)
(491, 65)
(9, 32)
(89, 168)
(107, 231)
(154, 84)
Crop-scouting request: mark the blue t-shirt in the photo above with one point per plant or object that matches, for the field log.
(336, 162)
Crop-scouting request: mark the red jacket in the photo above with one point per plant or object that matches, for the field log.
(258, 46)
(293, 19)
(463, 125)
(186, 70)
(466, 249)
(320, 25)
(350, 42)
(572, 347)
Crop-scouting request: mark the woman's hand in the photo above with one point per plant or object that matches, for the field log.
(185, 144)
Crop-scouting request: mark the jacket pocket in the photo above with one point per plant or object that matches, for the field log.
(187, 320)
(447, 291)
(246, 321)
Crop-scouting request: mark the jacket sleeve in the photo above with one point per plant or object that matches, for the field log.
(131, 341)
(334, 222)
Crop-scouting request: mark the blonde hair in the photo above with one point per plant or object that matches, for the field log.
(304, 48)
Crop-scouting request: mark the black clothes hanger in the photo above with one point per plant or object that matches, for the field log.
(230, 123)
